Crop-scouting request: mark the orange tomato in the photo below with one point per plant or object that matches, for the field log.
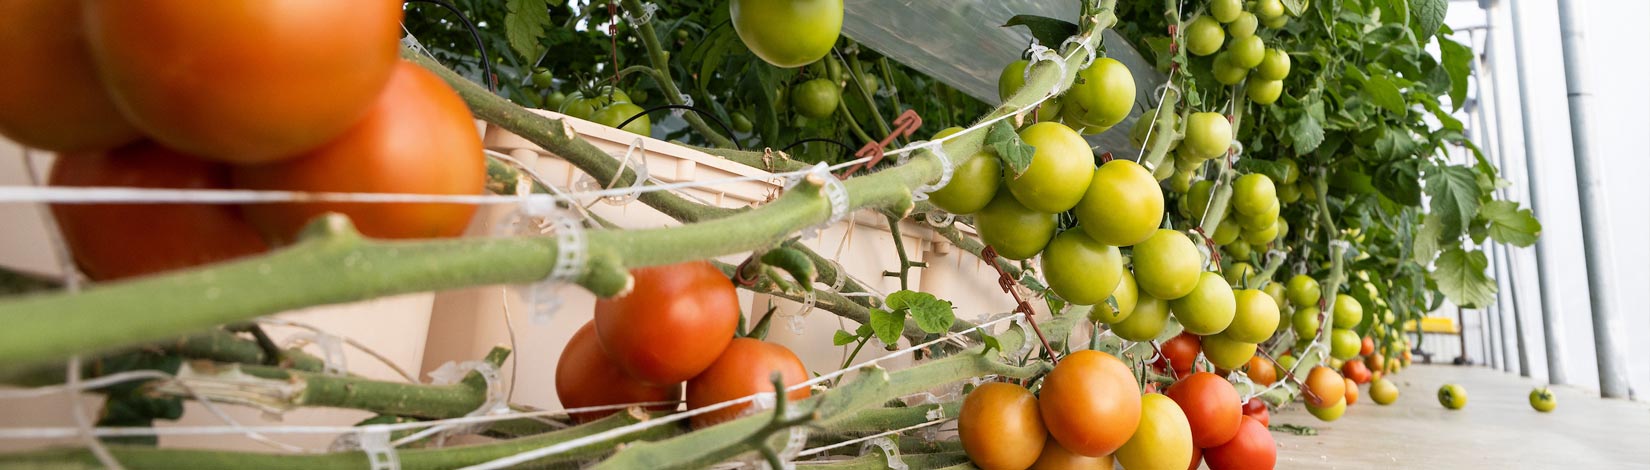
(1261, 371)
(1324, 387)
(418, 138)
(1055, 457)
(1351, 391)
(745, 368)
(1090, 403)
(673, 324)
(1001, 428)
(50, 94)
(586, 377)
(1211, 406)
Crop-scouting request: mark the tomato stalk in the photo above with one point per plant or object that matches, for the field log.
(661, 65)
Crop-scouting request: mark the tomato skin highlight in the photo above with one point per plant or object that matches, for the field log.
(418, 138)
(787, 33)
(1211, 407)
(1251, 448)
(50, 95)
(673, 324)
(244, 81)
(1090, 403)
(745, 367)
(586, 377)
(1001, 428)
(117, 241)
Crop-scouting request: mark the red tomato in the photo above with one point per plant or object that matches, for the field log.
(244, 81)
(1355, 371)
(1212, 407)
(1181, 351)
(1261, 371)
(586, 377)
(1252, 449)
(1255, 408)
(419, 138)
(50, 95)
(1367, 348)
(1197, 458)
(746, 367)
(1090, 403)
(114, 241)
(672, 325)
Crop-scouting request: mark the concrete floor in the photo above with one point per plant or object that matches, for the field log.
(1496, 430)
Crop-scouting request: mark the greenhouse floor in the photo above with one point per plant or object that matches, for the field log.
(1497, 429)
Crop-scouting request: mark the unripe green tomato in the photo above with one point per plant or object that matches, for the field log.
(1167, 264)
(1015, 231)
(816, 98)
(1275, 66)
(1283, 228)
(1452, 396)
(1125, 295)
(788, 33)
(1306, 322)
(1307, 193)
(554, 100)
(1208, 309)
(1304, 291)
(1261, 237)
(1542, 400)
(542, 78)
(1259, 220)
(1180, 182)
(1265, 92)
(1208, 135)
(1383, 391)
(1344, 344)
(1244, 26)
(1163, 172)
(1185, 162)
(1291, 172)
(1276, 291)
(1227, 232)
(1081, 270)
(1275, 23)
(1240, 273)
(1060, 171)
(1226, 72)
(1123, 204)
(1267, 9)
(1238, 249)
(1253, 193)
(1287, 362)
(1196, 200)
(618, 113)
(1227, 353)
(1348, 312)
(1150, 315)
(1247, 52)
(1138, 133)
(1289, 193)
(1204, 36)
(1012, 78)
(973, 182)
(740, 123)
(1256, 317)
(1225, 11)
(1103, 95)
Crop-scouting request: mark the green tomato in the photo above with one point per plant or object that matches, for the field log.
(1452, 396)
(1204, 36)
(1276, 291)
(973, 182)
(1348, 312)
(1287, 362)
(1240, 273)
(1541, 399)
(1383, 391)
(1181, 181)
(740, 123)
(1015, 231)
(1265, 92)
(1268, 9)
(870, 82)
(1102, 95)
(1328, 413)
(1275, 66)
(1244, 26)
(1304, 291)
(1307, 193)
(1344, 343)
(1227, 232)
(1289, 193)
(1060, 170)
(1259, 220)
(1208, 135)
(1291, 170)
(1013, 77)
(1126, 295)
(1081, 270)
(1253, 193)
(1247, 52)
(1239, 250)
(542, 78)
(787, 33)
(579, 106)
(1256, 317)
(1226, 352)
(1147, 320)
(1259, 238)
(1197, 199)
(1208, 308)
(618, 113)
(1306, 322)
(816, 98)
(1123, 204)
(1138, 133)
(1167, 264)
(1225, 11)
(554, 100)
(1226, 72)
(1275, 23)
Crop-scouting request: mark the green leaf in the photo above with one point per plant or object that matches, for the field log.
(1049, 32)
(1454, 191)
(888, 325)
(932, 314)
(1426, 16)
(1383, 93)
(1457, 60)
(1015, 153)
(1460, 276)
(524, 26)
(1511, 225)
(1295, 7)
(1269, 168)
(1305, 133)
(1426, 240)
(990, 342)
(843, 337)
(1400, 181)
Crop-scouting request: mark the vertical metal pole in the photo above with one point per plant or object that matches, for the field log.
(1501, 262)
(1595, 213)
(1506, 264)
(1551, 317)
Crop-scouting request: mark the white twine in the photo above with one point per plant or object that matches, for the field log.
(333, 361)
(1162, 93)
(938, 151)
(885, 434)
(347, 340)
(452, 373)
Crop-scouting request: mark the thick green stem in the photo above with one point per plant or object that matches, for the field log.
(1165, 132)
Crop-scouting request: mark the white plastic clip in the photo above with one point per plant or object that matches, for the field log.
(889, 449)
(1025, 331)
(940, 218)
(375, 442)
(921, 192)
(1088, 51)
(888, 91)
(638, 149)
(1044, 54)
(333, 361)
(1237, 149)
(648, 9)
(687, 100)
(835, 193)
(571, 252)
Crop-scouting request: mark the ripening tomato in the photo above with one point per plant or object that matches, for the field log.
(1356, 372)
(114, 241)
(1261, 371)
(418, 138)
(746, 367)
(1091, 403)
(1167, 264)
(672, 325)
(1180, 352)
(1208, 135)
(787, 33)
(1251, 448)
(1452, 396)
(1227, 353)
(1126, 295)
(245, 81)
(50, 95)
(1383, 392)
(1102, 95)
(1255, 318)
(1255, 408)
(1081, 270)
(1304, 291)
(1001, 428)
(1211, 406)
(1163, 441)
(586, 377)
(1351, 390)
(1253, 193)
(1328, 412)
(1323, 387)
(1367, 348)
(1060, 171)
(1123, 204)
(1055, 457)
(1203, 36)
(1208, 308)
(1375, 362)
(1147, 320)
(1015, 231)
(973, 183)
(1541, 399)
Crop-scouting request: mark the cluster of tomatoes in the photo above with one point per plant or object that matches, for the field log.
(678, 324)
(1089, 412)
(230, 95)
(609, 106)
(1246, 54)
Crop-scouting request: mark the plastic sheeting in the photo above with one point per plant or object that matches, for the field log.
(963, 43)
